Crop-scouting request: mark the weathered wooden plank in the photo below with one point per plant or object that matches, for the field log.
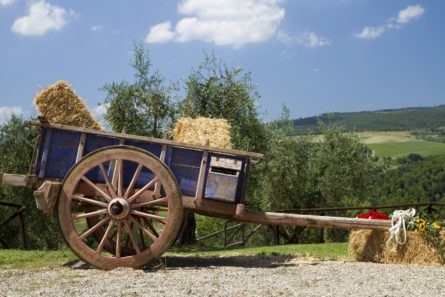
(45, 153)
(19, 180)
(81, 146)
(201, 178)
(228, 211)
(149, 139)
(283, 219)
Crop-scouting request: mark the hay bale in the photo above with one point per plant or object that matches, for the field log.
(59, 104)
(200, 130)
(370, 246)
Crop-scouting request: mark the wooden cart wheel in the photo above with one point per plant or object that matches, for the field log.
(129, 219)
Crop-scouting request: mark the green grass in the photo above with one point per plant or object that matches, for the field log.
(37, 259)
(19, 258)
(398, 149)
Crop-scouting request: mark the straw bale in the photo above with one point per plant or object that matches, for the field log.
(371, 246)
(199, 130)
(59, 104)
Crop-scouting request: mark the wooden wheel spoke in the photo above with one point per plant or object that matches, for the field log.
(150, 226)
(143, 189)
(133, 181)
(94, 228)
(120, 177)
(142, 223)
(161, 219)
(133, 240)
(142, 229)
(89, 214)
(118, 239)
(161, 201)
(104, 238)
(90, 201)
(107, 180)
(141, 235)
(96, 188)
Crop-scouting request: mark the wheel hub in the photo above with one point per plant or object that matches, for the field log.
(118, 208)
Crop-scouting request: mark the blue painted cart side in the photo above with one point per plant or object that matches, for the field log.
(59, 151)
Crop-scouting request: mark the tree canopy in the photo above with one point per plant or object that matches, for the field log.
(143, 107)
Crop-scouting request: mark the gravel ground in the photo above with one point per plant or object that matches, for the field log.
(237, 276)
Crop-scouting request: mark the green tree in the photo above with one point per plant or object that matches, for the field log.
(143, 107)
(215, 90)
(299, 172)
(16, 148)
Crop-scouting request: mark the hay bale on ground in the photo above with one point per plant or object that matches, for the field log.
(370, 246)
(59, 104)
(200, 130)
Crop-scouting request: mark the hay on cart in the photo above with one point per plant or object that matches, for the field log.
(60, 104)
(200, 130)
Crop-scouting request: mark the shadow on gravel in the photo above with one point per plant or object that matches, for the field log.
(78, 264)
(175, 262)
(234, 261)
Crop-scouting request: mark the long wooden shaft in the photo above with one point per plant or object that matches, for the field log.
(283, 219)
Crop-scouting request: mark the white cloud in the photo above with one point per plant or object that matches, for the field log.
(96, 28)
(307, 39)
(310, 39)
(6, 2)
(7, 111)
(99, 114)
(225, 22)
(41, 18)
(410, 13)
(370, 32)
(403, 17)
(99, 110)
(160, 33)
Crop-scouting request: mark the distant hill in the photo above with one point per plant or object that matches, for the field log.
(404, 119)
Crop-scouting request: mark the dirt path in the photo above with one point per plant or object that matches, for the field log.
(237, 276)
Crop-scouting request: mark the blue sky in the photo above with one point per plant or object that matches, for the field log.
(313, 55)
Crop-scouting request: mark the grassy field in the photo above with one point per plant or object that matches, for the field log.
(37, 259)
(399, 149)
(400, 143)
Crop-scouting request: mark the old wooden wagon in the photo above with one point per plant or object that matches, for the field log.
(120, 198)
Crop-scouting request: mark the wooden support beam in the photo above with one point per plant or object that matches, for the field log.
(283, 219)
(19, 180)
(81, 146)
(45, 153)
(202, 172)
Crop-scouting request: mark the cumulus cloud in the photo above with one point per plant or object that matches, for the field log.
(96, 28)
(307, 39)
(225, 22)
(6, 2)
(7, 111)
(160, 33)
(403, 17)
(410, 13)
(99, 113)
(370, 32)
(42, 17)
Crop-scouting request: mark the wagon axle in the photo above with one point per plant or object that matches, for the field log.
(119, 208)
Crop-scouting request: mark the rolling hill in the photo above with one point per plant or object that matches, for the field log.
(404, 119)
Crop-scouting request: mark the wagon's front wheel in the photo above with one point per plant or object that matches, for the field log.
(133, 200)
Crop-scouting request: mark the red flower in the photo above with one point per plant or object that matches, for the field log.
(373, 215)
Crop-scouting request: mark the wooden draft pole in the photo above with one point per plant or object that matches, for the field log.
(284, 219)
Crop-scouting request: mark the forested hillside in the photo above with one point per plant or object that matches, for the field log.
(420, 118)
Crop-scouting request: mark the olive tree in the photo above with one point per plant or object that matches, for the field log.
(16, 148)
(144, 106)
